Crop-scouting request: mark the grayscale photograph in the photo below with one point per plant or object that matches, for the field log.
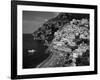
(55, 39)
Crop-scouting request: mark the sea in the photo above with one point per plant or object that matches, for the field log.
(31, 60)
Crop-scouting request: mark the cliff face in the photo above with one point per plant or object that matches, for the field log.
(67, 38)
(47, 30)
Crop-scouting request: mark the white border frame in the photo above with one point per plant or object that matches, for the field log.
(21, 71)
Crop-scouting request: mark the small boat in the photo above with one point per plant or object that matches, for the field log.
(31, 51)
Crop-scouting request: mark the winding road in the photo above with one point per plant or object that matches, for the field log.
(48, 62)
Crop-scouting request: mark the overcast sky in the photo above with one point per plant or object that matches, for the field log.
(32, 20)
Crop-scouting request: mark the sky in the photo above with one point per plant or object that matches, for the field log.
(32, 20)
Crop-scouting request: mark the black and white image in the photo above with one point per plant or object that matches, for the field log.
(55, 39)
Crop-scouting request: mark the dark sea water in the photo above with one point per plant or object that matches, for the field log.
(31, 60)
